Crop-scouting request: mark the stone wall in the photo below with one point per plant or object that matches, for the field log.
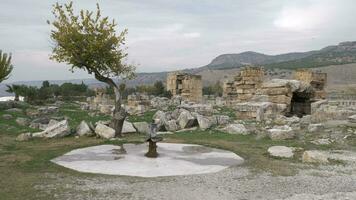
(254, 98)
(316, 79)
(138, 103)
(101, 102)
(188, 86)
(244, 85)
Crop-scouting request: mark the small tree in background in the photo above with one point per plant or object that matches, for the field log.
(88, 41)
(14, 89)
(158, 88)
(5, 66)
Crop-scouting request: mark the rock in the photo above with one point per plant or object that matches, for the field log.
(48, 109)
(60, 129)
(22, 121)
(281, 133)
(236, 129)
(141, 127)
(171, 125)
(14, 110)
(315, 128)
(128, 128)
(24, 137)
(104, 122)
(222, 120)
(280, 151)
(7, 116)
(106, 109)
(104, 131)
(186, 120)
(352, 119)
(205, 122)
(314, 156)
(321, 142)
(164, 133)
(41, 120)
(83, 129)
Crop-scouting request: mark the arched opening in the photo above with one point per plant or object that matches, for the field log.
(300, 104)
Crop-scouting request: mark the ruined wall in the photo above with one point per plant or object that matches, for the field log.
(244, 86)
(188, 86)
(316, 79)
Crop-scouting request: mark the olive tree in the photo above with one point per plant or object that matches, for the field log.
(89, 41)
(5, 66)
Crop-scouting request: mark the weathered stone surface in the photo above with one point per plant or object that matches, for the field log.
(141, 127)
(83, 129)
(24, 137)
(352, 119)
(186, 120)
(222, 119)
(315, 127)
(187, 86)
(171, 125)
(22, 121)
(322, 141)
(205, 122)
(236, 129)
(104, 131)
(128, 128)
(281, 133)
(57, 130)
(48, 109)
(314, 156)
(7, 116)
(14, 110)
(280, 151)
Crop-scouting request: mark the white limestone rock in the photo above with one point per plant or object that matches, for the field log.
(83, 129)
(236, 129)
(314, 156)
(104, 131)
(280, 152)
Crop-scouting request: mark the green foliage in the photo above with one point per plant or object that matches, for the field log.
(215, 89)
(15, 89)
(89, 41)
(5, 66)
(158, 88)
(49, 92)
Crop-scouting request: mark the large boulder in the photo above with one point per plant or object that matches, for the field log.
(206, 122)
(60, 129)
(83, 129)
(22, 121)
(104, 131)
(314, 156)
(236, 129)
(280, 152)
(186, 120)
(141, 127)
(171, 125)
(128, 128)
(281, 133)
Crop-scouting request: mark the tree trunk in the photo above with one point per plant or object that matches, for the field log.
(17, 98)
(119, 114)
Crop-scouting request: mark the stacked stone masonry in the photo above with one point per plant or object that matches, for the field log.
(188, 86)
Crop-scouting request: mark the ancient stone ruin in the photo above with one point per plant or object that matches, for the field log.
(101, 102)
(138, 103)
(255, 98)
(188, 86)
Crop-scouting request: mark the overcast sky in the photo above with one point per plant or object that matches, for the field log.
(176, 34)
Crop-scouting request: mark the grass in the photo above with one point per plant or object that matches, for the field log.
(25, 166)
(145, 117)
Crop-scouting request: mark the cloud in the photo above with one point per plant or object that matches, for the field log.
(309, 15)
(192, 35)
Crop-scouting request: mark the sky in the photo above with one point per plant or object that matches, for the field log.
(169, 35)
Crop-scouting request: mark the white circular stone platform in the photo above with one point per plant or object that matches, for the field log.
(129, 160)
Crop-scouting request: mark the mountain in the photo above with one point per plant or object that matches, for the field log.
(342, 53)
